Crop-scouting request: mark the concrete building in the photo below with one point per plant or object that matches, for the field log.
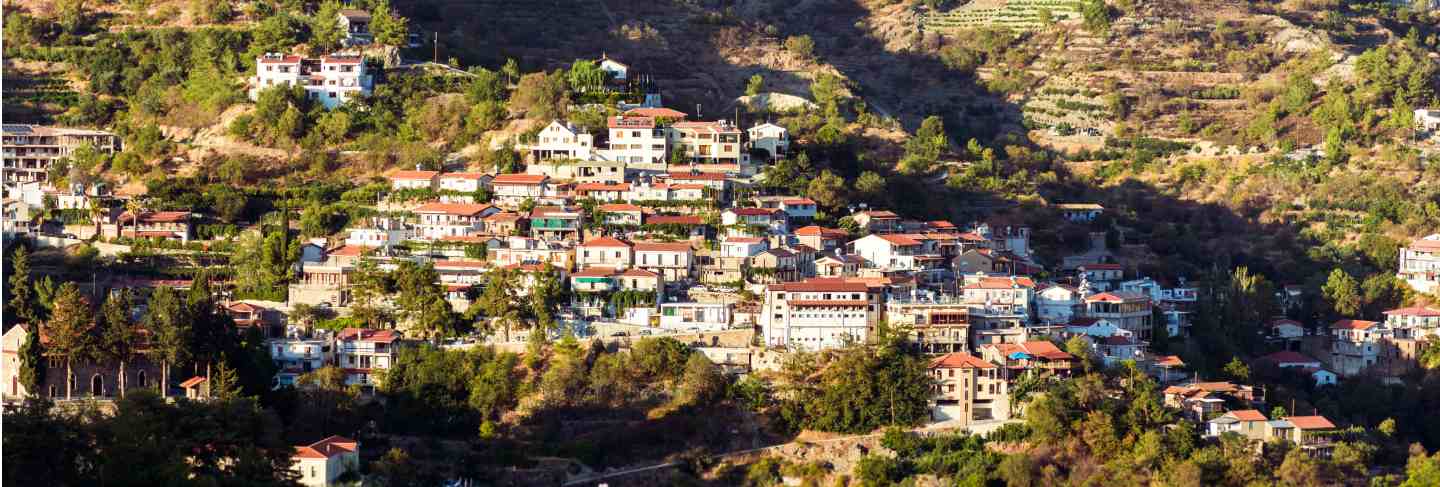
(329, 80)
(968, 389)
(321, 464)
(1131, 312)
(698, 316)
(560, 140)
(709, 142)
(440, 220)
(1420, 264)
(30, 149)
(360, 352)
(771, 138)
(819, 313)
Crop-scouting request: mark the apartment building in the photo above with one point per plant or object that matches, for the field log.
(819, 313)
(1130, 311)
(673, 260)
(608, 252)
(509, 251)
(557, 223)
(360, 352)
(638, 140)
(715, 142)
(1420, 264)
(441, 220)
(464, 182)
(938, 326)
(512, 189)
(30, 149)
(968, 389)
(329, 80)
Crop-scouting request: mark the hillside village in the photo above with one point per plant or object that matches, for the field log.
(995, 242)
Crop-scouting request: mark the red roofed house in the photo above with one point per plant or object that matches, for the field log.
(1358, 345)
(360, 351)
(1130, 311)
(673, 260)
(1420, 264)
(464, 182)
(819, 313)
(877, 221)
(166, 225)
(1037, 355)
(1248, 423)
(414, 180)
(821, 238)
(441, 220)
(248, 315)
(656, 112)
(608, 252)
(1310, 433)
(968, 389)
(321, 464)
(1005, 294)
(900, 252)
(512, 189)
(601, 191)
(593, 287)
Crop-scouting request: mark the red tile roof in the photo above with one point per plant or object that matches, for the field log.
(1414, 311)
(656, 112)
(663, 247)
(630, 122)
(594, 272)
(899, 240)
(1310, 422)
(158, 216)
(286, 59)
(1425, 245)
(619, 207)
(605, 242)
(674, 220)
(1247, 415)
(520, 179)
(638, 272)
(351, 250)
(959, 360)
(821, 285)
(363, 334)
(819, 231)
(192, 382)
(462, 209)
(1349, 324)
(753, 211)
(464, 175)
(326, 448)
(412, 175)
(587, 187)
(1117, 297)
(798, 201)
(1169, 361)
(697, 176)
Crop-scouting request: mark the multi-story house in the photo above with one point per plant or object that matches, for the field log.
(360, 352)
(356, 24)
(837, 265)
(270, 322)
(1131, 312)
(1058, 303)
(30, 149)
(167, 225)
(717, 184)
(325, 462)
(1103, 276)
(414, 180)
(1420, 264)
(330, 80)
(556, 223)
(1036, 355)
(673, 260)
(819, 313)
(1008, 295)
(968, 389)
(877, 221)
(607, 252)
(592, 286)
(771, 138)
(622, 214)
(560, 140)
(513, 189)
(602, 191)
(297, 355)
(508, 251)
(382, 232)
(774, 265)
(1357, 345)
(799, 211)
(769, 219)
(937, 325)
(1311, 433)
(637, 140)
(715, 142)
(821, 238)
(441, 220)
(1248, 423)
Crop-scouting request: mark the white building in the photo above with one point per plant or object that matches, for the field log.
(772, 219)
(1080, 212)
(29, 149)
(512, 189)
(330, 80)
(618, 71)
(414, 180)
(715, 142)
(299, 356)
(464, 182)
(321, 464)
(637, 140)
(383, 232)
(1356, 345)
(360, 351)
(1420, 264)
(1427, 119)
(561, 140)
(608, 252)
(441, 220)
(1058, 303)
(771, 138)
(695, 316)
(818, 313)
(357, 26)
(674, 260)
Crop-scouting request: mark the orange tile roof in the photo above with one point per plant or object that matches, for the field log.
(351, 250)
(384, 336)
(958, 360)
(594, 272)
(638, 272)
(464, 175)
(411, 175)
(584, 187)
(327, 447)
(1248, 415)
(702, 176)
(1116, 297)
(192, 382)
(900, 240)
(1414, 311)
(656, 112)
(663, 247)
(1310, 422)
(821, 285)
(606, 242)
(1349, 324)
(463, 209)
(521, 179)
(819, 231)
(674, 220)
(619, 207)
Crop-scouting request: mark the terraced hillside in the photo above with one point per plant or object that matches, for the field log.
(1013, 14)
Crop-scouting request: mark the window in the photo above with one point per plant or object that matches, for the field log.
(332, 94)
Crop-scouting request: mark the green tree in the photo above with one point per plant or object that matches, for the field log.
(326, 33)
(702, 381)
(1342, 293)
(369, 285)
(755, 85)
(167, 319)
(420, 299)
(72, 331)
(828, 190)
(511, 70)
(32, 361)
(585, 75)
(389, 29)
(541, 96)
(802, 46)
(1237, 370)
(120, 336)
(1096, 16)
(23, 304)
(225, 384)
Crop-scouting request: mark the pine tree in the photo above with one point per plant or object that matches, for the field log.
(32, 361)
(325, 30)
(22, 297)
(72, 330)
(166, 318)
(119, 335)
(389, 29)
(225, 384)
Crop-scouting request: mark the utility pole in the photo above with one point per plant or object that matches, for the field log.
(435, 56)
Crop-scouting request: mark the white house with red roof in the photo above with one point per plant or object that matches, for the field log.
(330, 80)
(1004, 294)
(1420, 264)
(464, 182)
(322, 463)
(359, 352)
(1416, 321)
(166, 225)
(602, 191)
(1357, 345)
(512, 189)
(440, 220)
(608, 252)
(298, 355)
(414, 180)
(673, 260)
(772, 219)
(622, 214)
(819, 314)
(743, 246)
(1131, 311)
(1249, 423)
